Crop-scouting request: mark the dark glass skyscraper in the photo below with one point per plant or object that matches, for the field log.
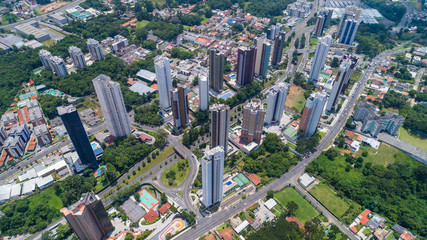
(74, 126)
(278, 49)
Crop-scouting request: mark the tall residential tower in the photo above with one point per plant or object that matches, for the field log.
(312, 113)
(77, 56)
(113, 106)
(203, 92)
(278, 49)
(322, 49)
(253, 121)
(262, 56)
(95, 50)
(219, 125)
(276, 98)
(216, 70)
(180, 106)
(212, 175)
(164, 80)
(245, 65)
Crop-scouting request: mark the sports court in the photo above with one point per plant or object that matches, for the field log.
(291, 132)
(27, 95)
(53, 92)
(176, 225)
(147, 199)
(241, 179)
(100, 171)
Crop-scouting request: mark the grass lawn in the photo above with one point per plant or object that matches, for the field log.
(313, 42)
(49, 42)
(47, 196)
(295, 100)
(160, 2)
(386, 155)
(142, 23)
(305, 211)
(180, 175)
(329, 199)
(414, 138)
(277, 210)
(222, 227)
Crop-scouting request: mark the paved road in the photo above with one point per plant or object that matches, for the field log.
(418, 78)
(406, 18)
(41, 154)
(41, 17)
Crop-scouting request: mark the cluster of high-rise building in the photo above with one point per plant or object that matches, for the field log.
(347, 66)
(374, 123)
(57, 64)
(349, 25)
(299, 9)
(273, 31)
(112, 104)
(323, 22)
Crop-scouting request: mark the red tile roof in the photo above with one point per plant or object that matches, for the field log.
(210, 237)
(26, 113)
(371, 98)
(151, 216)
(131, 82)
(144, 137)
(363, 220)
(227, 234)
(3, 158)
(350, 134)
(365, 213)
(353, 229)
(164, 208)
(254, 178)
(406, 236)
(295, 220)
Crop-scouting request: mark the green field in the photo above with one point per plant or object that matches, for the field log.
(305, 211)
(413, 138)
(142, 23)
(385, 155)
(313, 42)
(48, 197)
(329, 199)
(296, 99)
(49, 42)
(180, 175)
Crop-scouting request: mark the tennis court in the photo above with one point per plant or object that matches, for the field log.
(27, 95)
(241, 179)
(133, 211)
(291, 132)
(147, 199)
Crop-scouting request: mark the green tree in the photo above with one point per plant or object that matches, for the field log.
(291, 207)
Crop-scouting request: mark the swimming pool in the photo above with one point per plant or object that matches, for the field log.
(232, 76)
(228, 183)
(94, 145)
